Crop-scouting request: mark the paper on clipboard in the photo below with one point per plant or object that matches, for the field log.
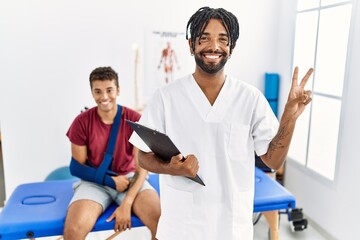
(159, 143)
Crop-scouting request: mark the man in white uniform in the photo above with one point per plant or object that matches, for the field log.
(218, 123)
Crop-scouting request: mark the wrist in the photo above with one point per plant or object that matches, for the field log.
(288, 116)
(172, 170)
(128, 201)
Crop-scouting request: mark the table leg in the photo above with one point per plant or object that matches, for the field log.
(272, 217)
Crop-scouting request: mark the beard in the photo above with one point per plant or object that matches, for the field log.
(210, 68)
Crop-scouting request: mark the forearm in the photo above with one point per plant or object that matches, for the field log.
(153, 163)
(279, 146)
(178, 166)
(136, 183)
(88, 173)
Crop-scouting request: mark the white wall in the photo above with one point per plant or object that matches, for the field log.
(334, 206)
(48, 49)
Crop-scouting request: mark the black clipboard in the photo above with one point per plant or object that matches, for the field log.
(159, 143)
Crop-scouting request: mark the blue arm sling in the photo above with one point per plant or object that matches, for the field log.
(102, 174)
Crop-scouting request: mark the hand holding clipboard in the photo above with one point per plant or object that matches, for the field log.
(159, 143)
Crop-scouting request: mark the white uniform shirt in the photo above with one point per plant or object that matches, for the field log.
(223, 137)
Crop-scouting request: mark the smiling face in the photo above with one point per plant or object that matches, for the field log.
(212, 48)
(104, 93)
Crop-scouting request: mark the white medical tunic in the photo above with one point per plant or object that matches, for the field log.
(223, 137)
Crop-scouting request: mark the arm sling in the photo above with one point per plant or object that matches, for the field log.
(102, 174)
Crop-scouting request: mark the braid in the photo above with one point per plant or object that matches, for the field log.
(199, 21)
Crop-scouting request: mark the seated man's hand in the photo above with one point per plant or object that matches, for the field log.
(121, 182)
(122, 215)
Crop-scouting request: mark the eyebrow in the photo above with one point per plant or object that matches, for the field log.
(224, 34)
(105, 89)
(221, 34)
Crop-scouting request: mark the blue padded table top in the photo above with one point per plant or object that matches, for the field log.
(39, 209)
(270, 195)
(36, 210)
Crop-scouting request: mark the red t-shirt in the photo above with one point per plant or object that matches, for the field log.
(88, 130)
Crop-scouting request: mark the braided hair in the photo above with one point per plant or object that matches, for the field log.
(199, 21)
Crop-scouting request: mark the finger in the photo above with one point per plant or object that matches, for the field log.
(296, 101)
(193, 161)
(309, 97)
(177, 158)
(295, 77)
(306, 77)
(117, 227)
(303, 99)
(196, 170)
(192, 158)
(110, 218)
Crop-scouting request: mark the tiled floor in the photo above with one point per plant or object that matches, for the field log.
(260, 232)
(285, 231)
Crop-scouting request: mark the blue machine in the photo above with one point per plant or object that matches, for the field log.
(272, 90)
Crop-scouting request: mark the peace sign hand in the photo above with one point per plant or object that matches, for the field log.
(298, 97)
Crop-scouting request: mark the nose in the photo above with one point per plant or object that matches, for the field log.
(214, 44)
(104, 95)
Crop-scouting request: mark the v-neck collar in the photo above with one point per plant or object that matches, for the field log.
(210, 113)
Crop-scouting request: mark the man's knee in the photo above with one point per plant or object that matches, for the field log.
(81, 218)
(75, 228)
(147, 205)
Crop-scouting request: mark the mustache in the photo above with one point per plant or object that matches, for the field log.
(213, 52)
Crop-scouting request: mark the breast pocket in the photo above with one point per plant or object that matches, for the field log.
(239, 142)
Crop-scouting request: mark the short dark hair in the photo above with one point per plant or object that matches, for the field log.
(199, 21)
(102, 74)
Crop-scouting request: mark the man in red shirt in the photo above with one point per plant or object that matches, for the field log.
(89, 136)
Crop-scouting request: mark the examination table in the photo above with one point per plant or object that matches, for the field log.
(38, 209)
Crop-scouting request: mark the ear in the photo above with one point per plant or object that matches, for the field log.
(118, 91)
(191, 46)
